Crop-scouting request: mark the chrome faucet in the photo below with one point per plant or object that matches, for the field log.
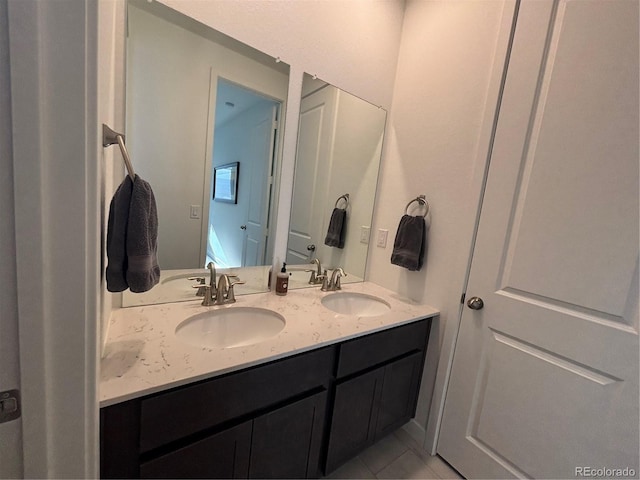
(201, 286)
(212, 280)
(212, 274)
(333, 284)
(317, 276)
(225, 293)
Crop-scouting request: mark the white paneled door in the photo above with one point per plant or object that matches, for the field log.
(544, 382)
(262, 138)
(313, 163)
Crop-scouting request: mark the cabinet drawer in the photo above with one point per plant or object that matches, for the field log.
(362, 353)
(170, 416)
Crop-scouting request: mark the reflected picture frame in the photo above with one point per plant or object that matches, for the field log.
(225, 182)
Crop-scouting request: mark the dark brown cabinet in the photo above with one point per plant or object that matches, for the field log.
(292, 418)
(399, 394)
(371, 405)
(223, 455)
(286, 442)
(353, 413)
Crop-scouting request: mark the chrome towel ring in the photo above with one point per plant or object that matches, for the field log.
(421, 199)
(344, 197)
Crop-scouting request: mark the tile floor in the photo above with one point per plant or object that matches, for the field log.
(396, 456)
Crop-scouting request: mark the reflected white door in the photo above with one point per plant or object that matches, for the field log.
(545, 376)
(262, 137)
(313, 162)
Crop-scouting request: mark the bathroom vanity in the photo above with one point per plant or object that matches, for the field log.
(294, 406)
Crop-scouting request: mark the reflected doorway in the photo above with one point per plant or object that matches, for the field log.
(245, 133)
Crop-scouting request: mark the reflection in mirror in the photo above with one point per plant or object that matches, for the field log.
(198, 100)
(338, 157)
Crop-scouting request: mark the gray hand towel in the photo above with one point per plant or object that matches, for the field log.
(143, 271)
(117, 237)
(337, 228)
(409, 245)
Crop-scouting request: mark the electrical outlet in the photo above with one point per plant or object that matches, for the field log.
(382, 237)
(365, 233)
(194, 212)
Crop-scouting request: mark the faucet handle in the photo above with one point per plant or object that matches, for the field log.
(200, 285)
(231, 296)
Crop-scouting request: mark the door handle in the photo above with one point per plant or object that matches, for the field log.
(311, 248)
(243, 227)
(475, 303)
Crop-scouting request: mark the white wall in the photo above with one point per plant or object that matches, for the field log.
(352, 44)
(436, 145)
(169, 118)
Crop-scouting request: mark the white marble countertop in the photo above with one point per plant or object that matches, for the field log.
(143, 354)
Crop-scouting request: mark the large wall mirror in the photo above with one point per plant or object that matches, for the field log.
(202, 110)
(337, 161)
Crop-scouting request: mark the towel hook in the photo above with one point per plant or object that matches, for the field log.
(422, 200)
(109, 137)
(346, 199)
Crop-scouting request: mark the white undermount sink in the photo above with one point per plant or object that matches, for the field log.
(352, 303)
(230, 327)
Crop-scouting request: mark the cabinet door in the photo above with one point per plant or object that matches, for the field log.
(286, 442)
(224, 455)
(354, 412)
(399, 394)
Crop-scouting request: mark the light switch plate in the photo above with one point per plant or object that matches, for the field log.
(194, 212)
(382, 237)
(365, 233)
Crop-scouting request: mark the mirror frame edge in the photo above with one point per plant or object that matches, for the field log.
(289, 148)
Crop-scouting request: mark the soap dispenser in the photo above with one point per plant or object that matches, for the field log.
(282, 281)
